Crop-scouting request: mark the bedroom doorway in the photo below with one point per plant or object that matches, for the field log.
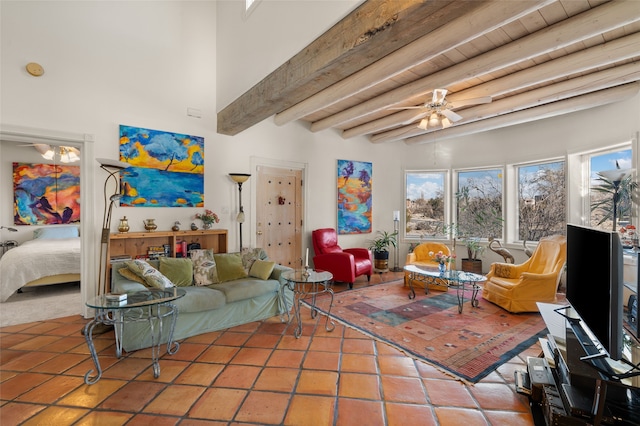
(17, 144)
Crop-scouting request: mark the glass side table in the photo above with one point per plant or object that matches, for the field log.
(151, 305)
(305, 283)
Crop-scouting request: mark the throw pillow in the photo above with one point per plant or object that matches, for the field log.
(149, 274)
(56, 232)
(250, 255)
(229, 266)
(179, 271)
(130, 275)
(204, 267)
(262, 269)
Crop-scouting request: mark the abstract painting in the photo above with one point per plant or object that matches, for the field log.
(354, 197)
(166, 169)
(45, 194)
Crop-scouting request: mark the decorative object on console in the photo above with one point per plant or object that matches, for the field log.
(165, 163)
(176, 226)
(208, 218)
(496, 247)
(150, 225)
(46, 194)
(194, 227)
(113, 168)
(240, 178)
(124, 225)
(354, 197)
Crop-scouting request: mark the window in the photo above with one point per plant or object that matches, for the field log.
(601, 190)
(425, 204)
(542, 203)
(479, 203)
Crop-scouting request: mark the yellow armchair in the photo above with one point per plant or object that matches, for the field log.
(517, 288)
(420, 256)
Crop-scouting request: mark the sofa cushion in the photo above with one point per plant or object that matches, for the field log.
(246, 288)
(200, 299)
(204, 267)
(178, 270)
(249, 256)
(151, 276)
(229, 266)
(262, 269)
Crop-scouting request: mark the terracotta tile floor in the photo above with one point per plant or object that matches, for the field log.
(257, 373)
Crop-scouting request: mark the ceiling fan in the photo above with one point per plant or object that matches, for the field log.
(438, 112)
(66, 154)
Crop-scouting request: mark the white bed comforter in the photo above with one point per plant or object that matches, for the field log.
(36, 259)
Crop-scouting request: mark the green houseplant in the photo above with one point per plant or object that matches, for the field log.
(380, 248)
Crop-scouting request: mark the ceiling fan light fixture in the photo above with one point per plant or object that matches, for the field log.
(424, 123)
(445, 123)
(434, 120)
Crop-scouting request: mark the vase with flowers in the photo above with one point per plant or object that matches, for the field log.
(208, 218)
(444, 260)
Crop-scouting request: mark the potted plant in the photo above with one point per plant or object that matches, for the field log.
(472, 263)
(380, 248)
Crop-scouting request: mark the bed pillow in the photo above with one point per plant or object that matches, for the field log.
(229, 266)
(55, 232)
(262, 269)
(178, 270)
(151, 276)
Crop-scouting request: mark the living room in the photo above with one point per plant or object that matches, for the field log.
(146, 64)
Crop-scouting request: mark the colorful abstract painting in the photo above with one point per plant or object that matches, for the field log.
(167, 169)
(45, 194)
(354, 197)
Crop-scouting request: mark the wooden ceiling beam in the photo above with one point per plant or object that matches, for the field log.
(564, 33)
(578, 103)
(488, 16)
(372, 31)
(564, 90)
(584, 60)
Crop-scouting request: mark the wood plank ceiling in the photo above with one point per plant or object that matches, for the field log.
(533, 58)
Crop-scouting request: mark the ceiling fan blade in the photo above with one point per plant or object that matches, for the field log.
(411, 107)
(415, 117)
(472, 101)
(452, 116)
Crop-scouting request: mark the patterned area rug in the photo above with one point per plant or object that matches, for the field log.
(469, 345)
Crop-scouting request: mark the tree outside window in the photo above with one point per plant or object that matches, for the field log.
(542, 207)
(601, 190)
(425, 204)
(479, 203)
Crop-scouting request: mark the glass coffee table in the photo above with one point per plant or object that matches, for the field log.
(305, 283)
(450, 279)
(151, 305)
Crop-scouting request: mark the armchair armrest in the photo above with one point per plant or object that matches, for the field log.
(341, 265)
(277, 272)
(411, 258)
(359, 253)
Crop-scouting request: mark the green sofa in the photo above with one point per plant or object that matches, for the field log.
(210, 307)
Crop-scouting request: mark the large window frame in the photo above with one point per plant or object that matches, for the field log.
(411, 193)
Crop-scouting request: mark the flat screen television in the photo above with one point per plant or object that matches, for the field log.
(594, 284)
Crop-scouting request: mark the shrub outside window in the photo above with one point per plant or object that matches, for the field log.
(601, 192)
(479, 203)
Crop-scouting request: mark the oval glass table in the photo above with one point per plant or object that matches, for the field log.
(460, 280)
(151, 305)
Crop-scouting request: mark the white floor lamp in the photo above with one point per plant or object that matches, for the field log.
(396, 225)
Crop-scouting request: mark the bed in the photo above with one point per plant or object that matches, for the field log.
(41, 261)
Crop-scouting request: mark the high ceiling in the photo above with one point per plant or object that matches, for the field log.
(533, 58)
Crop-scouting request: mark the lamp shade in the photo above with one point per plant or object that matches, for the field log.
(239, 177)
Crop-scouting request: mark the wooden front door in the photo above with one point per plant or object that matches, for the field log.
(279, 214)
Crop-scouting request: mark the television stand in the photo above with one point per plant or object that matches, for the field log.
(589, 388)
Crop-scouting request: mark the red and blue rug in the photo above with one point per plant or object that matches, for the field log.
(469, 345)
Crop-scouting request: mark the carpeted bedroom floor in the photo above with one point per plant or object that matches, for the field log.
(41, 303)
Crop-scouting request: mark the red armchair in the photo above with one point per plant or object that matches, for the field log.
(345, 265)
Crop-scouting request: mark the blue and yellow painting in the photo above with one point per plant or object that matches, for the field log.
(166, 169)
(45, 194)
(354, 197)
